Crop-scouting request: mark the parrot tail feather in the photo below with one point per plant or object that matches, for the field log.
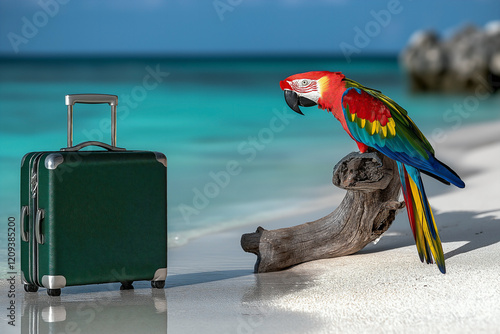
(420, 216)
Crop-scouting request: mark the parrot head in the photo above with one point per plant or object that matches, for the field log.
(313, 88)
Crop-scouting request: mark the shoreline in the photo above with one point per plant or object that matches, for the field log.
(449, 151)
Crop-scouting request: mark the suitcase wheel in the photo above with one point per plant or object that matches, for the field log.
(127, 285)
(54, 292)
(158, 284)
(30, 288)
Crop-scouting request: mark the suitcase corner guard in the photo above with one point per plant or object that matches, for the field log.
(161, 158)
(53, 160)
(160, 275)
(53, 282)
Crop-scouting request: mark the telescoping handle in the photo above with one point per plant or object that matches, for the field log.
(112, 100)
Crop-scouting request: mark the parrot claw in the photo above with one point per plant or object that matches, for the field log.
(368, 155)
(373, 156)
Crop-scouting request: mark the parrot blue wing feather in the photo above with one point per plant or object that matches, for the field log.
(392, 132)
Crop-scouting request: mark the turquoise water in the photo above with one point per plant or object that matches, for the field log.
(236, 154)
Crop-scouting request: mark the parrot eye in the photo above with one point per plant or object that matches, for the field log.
(305, 82)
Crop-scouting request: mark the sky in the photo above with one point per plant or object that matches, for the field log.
(227, 27)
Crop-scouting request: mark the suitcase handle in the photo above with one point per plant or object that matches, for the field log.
(92, 143)
(70, 101)
(24, 214)
(40, 213)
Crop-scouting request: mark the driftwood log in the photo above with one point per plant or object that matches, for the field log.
(367, 210)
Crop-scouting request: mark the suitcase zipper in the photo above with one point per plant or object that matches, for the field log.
(31, 245)
(34, 182)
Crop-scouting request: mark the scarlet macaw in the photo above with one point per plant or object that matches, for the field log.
(374, 120)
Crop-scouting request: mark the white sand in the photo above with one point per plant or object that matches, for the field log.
(382, 289)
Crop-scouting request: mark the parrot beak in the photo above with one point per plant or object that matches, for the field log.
(294, 101)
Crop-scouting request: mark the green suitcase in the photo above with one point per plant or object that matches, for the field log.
(92, 217)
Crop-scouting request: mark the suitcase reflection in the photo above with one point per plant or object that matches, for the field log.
(131, 311)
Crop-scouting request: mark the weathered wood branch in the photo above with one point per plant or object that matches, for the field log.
(367, 210)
